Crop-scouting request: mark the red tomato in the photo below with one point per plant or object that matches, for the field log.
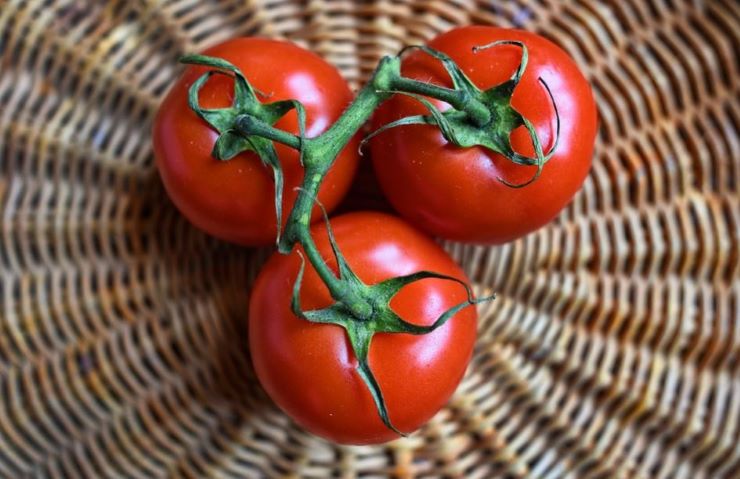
(455, 192)
(309, 369)
(234, 200)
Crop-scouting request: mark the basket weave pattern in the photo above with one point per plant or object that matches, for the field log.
(612, 350)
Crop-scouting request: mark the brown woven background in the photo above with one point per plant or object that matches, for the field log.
(612, 351)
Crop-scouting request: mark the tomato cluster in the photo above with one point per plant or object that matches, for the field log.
(310, 368)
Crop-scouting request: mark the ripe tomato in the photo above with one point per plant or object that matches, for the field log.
(455, 192)
(234, 199)
(309, 369)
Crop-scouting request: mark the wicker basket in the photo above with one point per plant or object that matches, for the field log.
(613, 349)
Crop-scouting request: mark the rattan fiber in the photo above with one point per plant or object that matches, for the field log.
(613, 347)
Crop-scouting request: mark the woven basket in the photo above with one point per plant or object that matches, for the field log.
(613, 349)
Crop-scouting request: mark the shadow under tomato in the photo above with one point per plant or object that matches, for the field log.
(364, 193)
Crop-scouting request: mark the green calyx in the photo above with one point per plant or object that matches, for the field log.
(241, 124)
(477, 117)
(364, 310)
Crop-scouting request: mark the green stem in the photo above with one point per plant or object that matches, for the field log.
(328, 145)
(248, 125)
(301, 234)
(458, 99)
(319, 153)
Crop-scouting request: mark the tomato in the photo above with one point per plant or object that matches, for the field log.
(454, 192)
(234, 200)
(309, 369)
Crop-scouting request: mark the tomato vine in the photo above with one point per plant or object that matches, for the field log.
(475, 118)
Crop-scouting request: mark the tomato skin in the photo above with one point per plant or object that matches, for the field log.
(234, 199)
(309, 369)
(454, 192)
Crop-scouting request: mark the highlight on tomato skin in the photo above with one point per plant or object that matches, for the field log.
(457, 193)
(309, 369)
(234, 199)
